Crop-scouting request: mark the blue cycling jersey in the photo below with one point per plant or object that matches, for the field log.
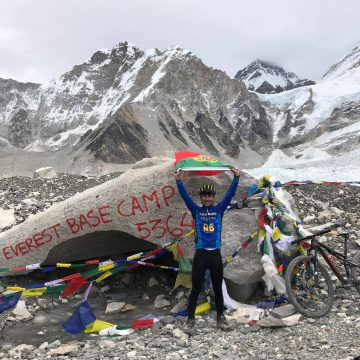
(208, 220)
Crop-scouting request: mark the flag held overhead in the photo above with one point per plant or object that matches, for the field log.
(202, 164)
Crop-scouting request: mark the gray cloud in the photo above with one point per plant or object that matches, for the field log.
(41, 39)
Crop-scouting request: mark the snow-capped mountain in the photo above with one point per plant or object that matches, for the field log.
(266, 78)
(319, 125)
(125, 103)
(18, 105)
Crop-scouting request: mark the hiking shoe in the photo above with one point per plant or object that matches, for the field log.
(189, 327)
(222, 324)
(190, 323)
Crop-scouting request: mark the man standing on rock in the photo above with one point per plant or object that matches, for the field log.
(208, 222)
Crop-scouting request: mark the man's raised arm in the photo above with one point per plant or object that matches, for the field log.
(184, 194)
(231, 191)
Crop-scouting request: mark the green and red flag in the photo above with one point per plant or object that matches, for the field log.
(202, 164)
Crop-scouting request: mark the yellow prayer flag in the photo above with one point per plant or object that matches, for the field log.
(202, 308)
(96, 326)
(189, 233)
(276, 234)
(34, 292)
(173, 248)
(103, 276)
(301, 249)
(135, 256)
(184, 280)
(15, 288)
(106, 267)
(262, 233)
(63, 265)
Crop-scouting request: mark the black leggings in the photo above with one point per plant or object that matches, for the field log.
(203, 260)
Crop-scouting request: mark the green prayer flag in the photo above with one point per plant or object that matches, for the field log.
(53, 290)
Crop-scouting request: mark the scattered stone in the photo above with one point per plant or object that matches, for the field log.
(114, 307)
(64, 350)
(271, 321)
(179, 306)
(309, 219)
(180, 334)
(283, 311)
(324, 215)
(131, 354)
(44, 345)
(336, 211)
(21, 312)
(104, 289)
(128, 307)
(161, 301)
(54, 344)
(342, 315)
(152, 282)
(22, 349)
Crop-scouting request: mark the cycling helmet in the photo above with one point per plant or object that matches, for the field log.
(207, 189)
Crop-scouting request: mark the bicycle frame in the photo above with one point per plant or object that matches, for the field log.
(316, 246)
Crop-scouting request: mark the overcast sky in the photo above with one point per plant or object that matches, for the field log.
(42, 39)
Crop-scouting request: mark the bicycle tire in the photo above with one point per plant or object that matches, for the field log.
(310, 301)
(355, 272)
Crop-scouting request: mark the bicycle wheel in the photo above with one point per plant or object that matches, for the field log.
(311, 295)
(355, 272)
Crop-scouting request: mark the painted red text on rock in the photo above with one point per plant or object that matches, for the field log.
(90, 220)
(143, 203)
(169, 226)
(32, 243)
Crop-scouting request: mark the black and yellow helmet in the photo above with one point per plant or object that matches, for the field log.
(207, 189)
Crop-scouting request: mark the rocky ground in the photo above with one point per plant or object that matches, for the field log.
(39, 334)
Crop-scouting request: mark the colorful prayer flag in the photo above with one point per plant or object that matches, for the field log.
(10, 302)
(202, 164)
(74, 285)
(80, 319)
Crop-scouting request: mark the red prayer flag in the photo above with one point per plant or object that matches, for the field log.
(71, 277)
(74, 285)
(244, 245)
(142, 324)
(19, 268)
(92, 262)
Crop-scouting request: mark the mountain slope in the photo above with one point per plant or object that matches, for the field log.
(266, 78)
(18, 105)
(125, 103)
(320, 122)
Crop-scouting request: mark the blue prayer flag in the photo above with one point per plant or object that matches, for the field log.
(10, 302)
(252, 189)
(82, 316)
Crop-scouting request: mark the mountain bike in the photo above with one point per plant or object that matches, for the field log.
(308, 283)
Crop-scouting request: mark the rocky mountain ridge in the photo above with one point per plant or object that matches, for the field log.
(124, 104)
(267, 78)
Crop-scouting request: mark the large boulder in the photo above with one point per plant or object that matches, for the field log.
(138, 210)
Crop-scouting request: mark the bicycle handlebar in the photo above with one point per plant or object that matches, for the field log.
(322, 232)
